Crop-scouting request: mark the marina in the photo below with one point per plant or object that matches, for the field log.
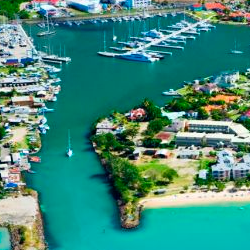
(153, 38)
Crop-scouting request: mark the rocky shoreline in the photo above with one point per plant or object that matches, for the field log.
(127, 220)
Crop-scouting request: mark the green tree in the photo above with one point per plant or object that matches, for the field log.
(220, 185)
(23, 14)
(238, 183)
(2, 132)
(157, 125)
(151, 109)
(169, 174)
(131, 131)
(202, 114)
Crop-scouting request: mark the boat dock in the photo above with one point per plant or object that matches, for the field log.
(169, 36)
(160, 52)
(164, 41)
(168, 46)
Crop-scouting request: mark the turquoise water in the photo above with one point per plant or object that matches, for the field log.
(4, 239)
(78, 209)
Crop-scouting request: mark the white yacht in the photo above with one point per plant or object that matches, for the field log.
(138, 56)
(153, 33)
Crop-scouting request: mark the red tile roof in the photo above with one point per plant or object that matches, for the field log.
(237, 14)
(197, 5)
(212, 6)
(137, 114)
(247, 113)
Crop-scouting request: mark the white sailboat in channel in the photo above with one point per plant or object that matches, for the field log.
(235, 51)
(69, 151)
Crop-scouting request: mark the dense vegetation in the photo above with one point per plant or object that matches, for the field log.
(126, 178)
(11, 7)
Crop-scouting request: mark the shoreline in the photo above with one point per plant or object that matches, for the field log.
(101, 16)
(196, 199)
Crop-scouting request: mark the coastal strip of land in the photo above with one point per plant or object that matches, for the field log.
(198, 198)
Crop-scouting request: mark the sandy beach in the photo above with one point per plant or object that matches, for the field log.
(198, 198)
(18, 211)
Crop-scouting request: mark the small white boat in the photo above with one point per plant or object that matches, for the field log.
(54, 99)
(171, 92)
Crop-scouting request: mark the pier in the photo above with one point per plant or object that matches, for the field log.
(175, 36)
(169, 36)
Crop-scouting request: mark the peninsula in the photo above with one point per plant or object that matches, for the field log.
(194, 150)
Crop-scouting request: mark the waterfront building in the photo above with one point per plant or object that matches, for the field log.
(47, 9)
(196, 7)
(227, 79)
(91, 6)
(207, 88)
(105, 126)
(29, 101)
(137, 4)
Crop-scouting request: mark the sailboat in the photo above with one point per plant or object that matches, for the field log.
(235, 51)
(114, 36)
(48, 31)
(69, 151)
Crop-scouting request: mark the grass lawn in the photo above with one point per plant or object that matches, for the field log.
(234, 115)
(185, 172)
(205, 163)
(185, 90)
(243, 79)
(153, 167)
(203, 14)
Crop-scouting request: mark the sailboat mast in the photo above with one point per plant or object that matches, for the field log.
(104, 41)
(69, 145)
(48, 20)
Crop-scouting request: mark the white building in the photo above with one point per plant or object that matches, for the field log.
(91, 6)
(227, 79)
(137, 4)
(213, 133)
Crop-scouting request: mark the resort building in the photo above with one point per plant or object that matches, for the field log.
(213, 133)
(227, 168)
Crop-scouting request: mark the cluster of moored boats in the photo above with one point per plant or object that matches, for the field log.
(111, 19)
(175, 37)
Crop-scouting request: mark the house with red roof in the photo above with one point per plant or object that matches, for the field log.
(214, 6)
(137, 114)
(237, 16)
